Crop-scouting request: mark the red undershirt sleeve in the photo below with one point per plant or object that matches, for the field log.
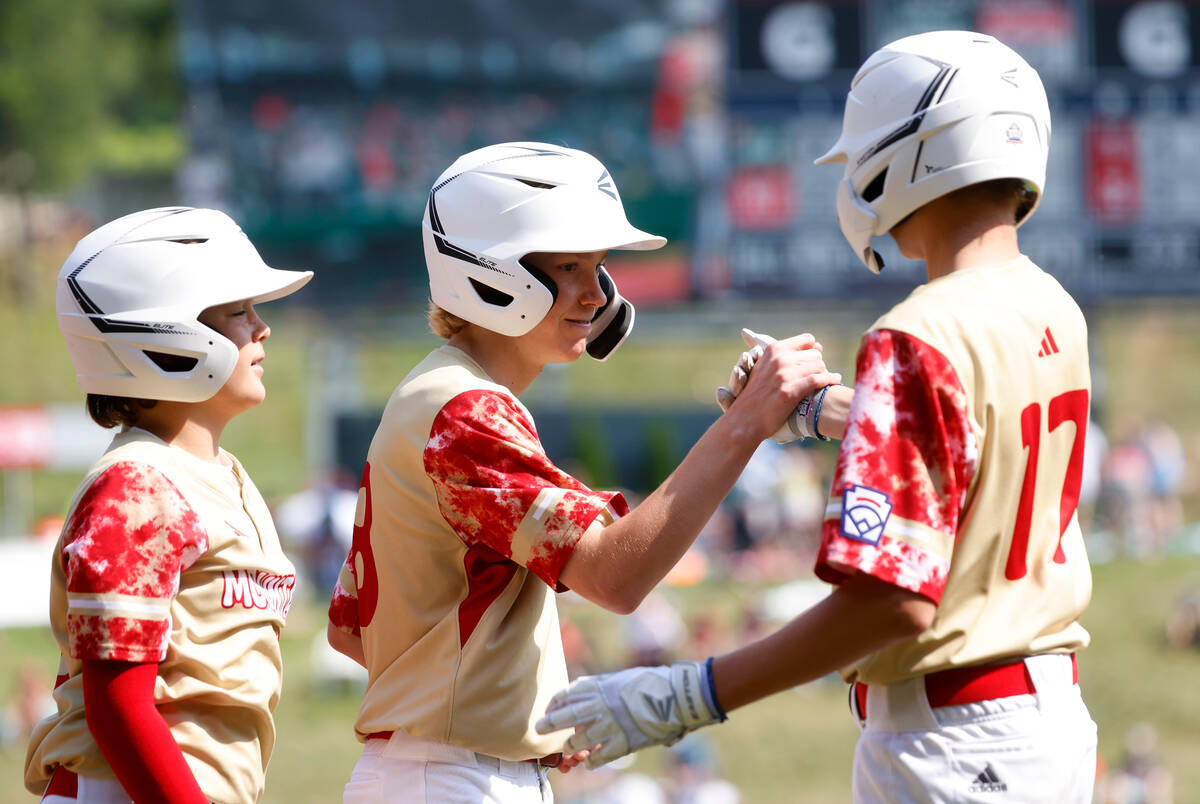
(118, 702)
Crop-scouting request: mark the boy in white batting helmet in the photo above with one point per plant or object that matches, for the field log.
(951, 536)
(168, 587)
(465, 529)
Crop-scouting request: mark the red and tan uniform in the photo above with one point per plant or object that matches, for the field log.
(960, 470)
(167, 558)
(463, 527)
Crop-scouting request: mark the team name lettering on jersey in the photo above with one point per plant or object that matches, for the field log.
(258, 590)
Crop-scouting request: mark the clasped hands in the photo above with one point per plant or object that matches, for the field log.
(802, 421)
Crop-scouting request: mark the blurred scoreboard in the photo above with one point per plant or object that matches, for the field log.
(321, 126)
(1121, 213)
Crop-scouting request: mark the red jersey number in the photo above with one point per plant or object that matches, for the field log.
(362, 560)
(1069, 406)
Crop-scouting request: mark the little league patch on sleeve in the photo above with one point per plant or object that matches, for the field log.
(865, 511)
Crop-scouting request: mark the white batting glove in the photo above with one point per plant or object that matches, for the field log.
(803, 421)
(618, 713)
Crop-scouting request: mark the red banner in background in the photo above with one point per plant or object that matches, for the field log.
(26, 438)
(761, 197)
(648, 282)
(1113, 179)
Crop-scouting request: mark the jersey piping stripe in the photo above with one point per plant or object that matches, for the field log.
(543, 501)
(896, 526)
(77, 604)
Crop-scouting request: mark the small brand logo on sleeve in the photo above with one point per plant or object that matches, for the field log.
(865, 512)
(1049, 347)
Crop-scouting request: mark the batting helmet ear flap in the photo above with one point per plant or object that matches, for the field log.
(612, 323)
(541, 276)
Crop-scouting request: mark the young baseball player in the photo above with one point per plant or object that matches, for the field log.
(465, 529)
(169, 587)
(950, 537)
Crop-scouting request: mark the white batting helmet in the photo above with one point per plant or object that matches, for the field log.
(929, 114)
(132, 290)
(497, 204)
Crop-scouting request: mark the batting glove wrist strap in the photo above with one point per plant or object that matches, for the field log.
(695, 696)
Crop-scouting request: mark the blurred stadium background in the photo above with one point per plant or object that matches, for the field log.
(320, 127)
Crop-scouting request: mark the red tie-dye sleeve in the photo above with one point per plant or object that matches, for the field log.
(903, 470)
(488, 468)
(130, 537)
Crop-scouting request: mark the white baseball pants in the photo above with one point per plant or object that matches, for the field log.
(84, 790)
(410, 770)
(1026, 748)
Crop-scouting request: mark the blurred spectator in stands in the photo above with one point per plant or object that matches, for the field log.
(576, 649)
(316, 526)
(1168, 465)
(1183, 620)
(801, 488)
(1141, 777)
(687, 120)
(693, 777)
(31, 702)
(705, 636)
(1125, 499)
(607, 785)
(654, 632)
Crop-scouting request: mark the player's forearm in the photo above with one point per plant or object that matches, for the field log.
(118, 700)
(860, 617)
(617, 566)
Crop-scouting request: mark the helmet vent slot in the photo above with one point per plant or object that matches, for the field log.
(874, 188)
(490, 295)
(538, 184)
(189, 241)
(171, 363)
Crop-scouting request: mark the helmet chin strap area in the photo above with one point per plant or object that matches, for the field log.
(612, 323)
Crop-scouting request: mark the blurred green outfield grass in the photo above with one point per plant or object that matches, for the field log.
(794, 747)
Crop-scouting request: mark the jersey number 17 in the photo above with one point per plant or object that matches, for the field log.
(1068, 406)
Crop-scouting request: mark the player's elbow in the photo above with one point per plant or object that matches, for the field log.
(914, 615)
(596, 575)
(345, 644)
(619, 598)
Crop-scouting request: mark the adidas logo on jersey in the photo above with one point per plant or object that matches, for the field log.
(987, 782)
(1049, 347)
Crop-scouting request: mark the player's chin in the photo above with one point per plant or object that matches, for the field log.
(572, 349)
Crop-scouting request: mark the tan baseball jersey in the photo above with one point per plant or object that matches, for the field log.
(463, 527)
(959, 474)
(168, 558)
